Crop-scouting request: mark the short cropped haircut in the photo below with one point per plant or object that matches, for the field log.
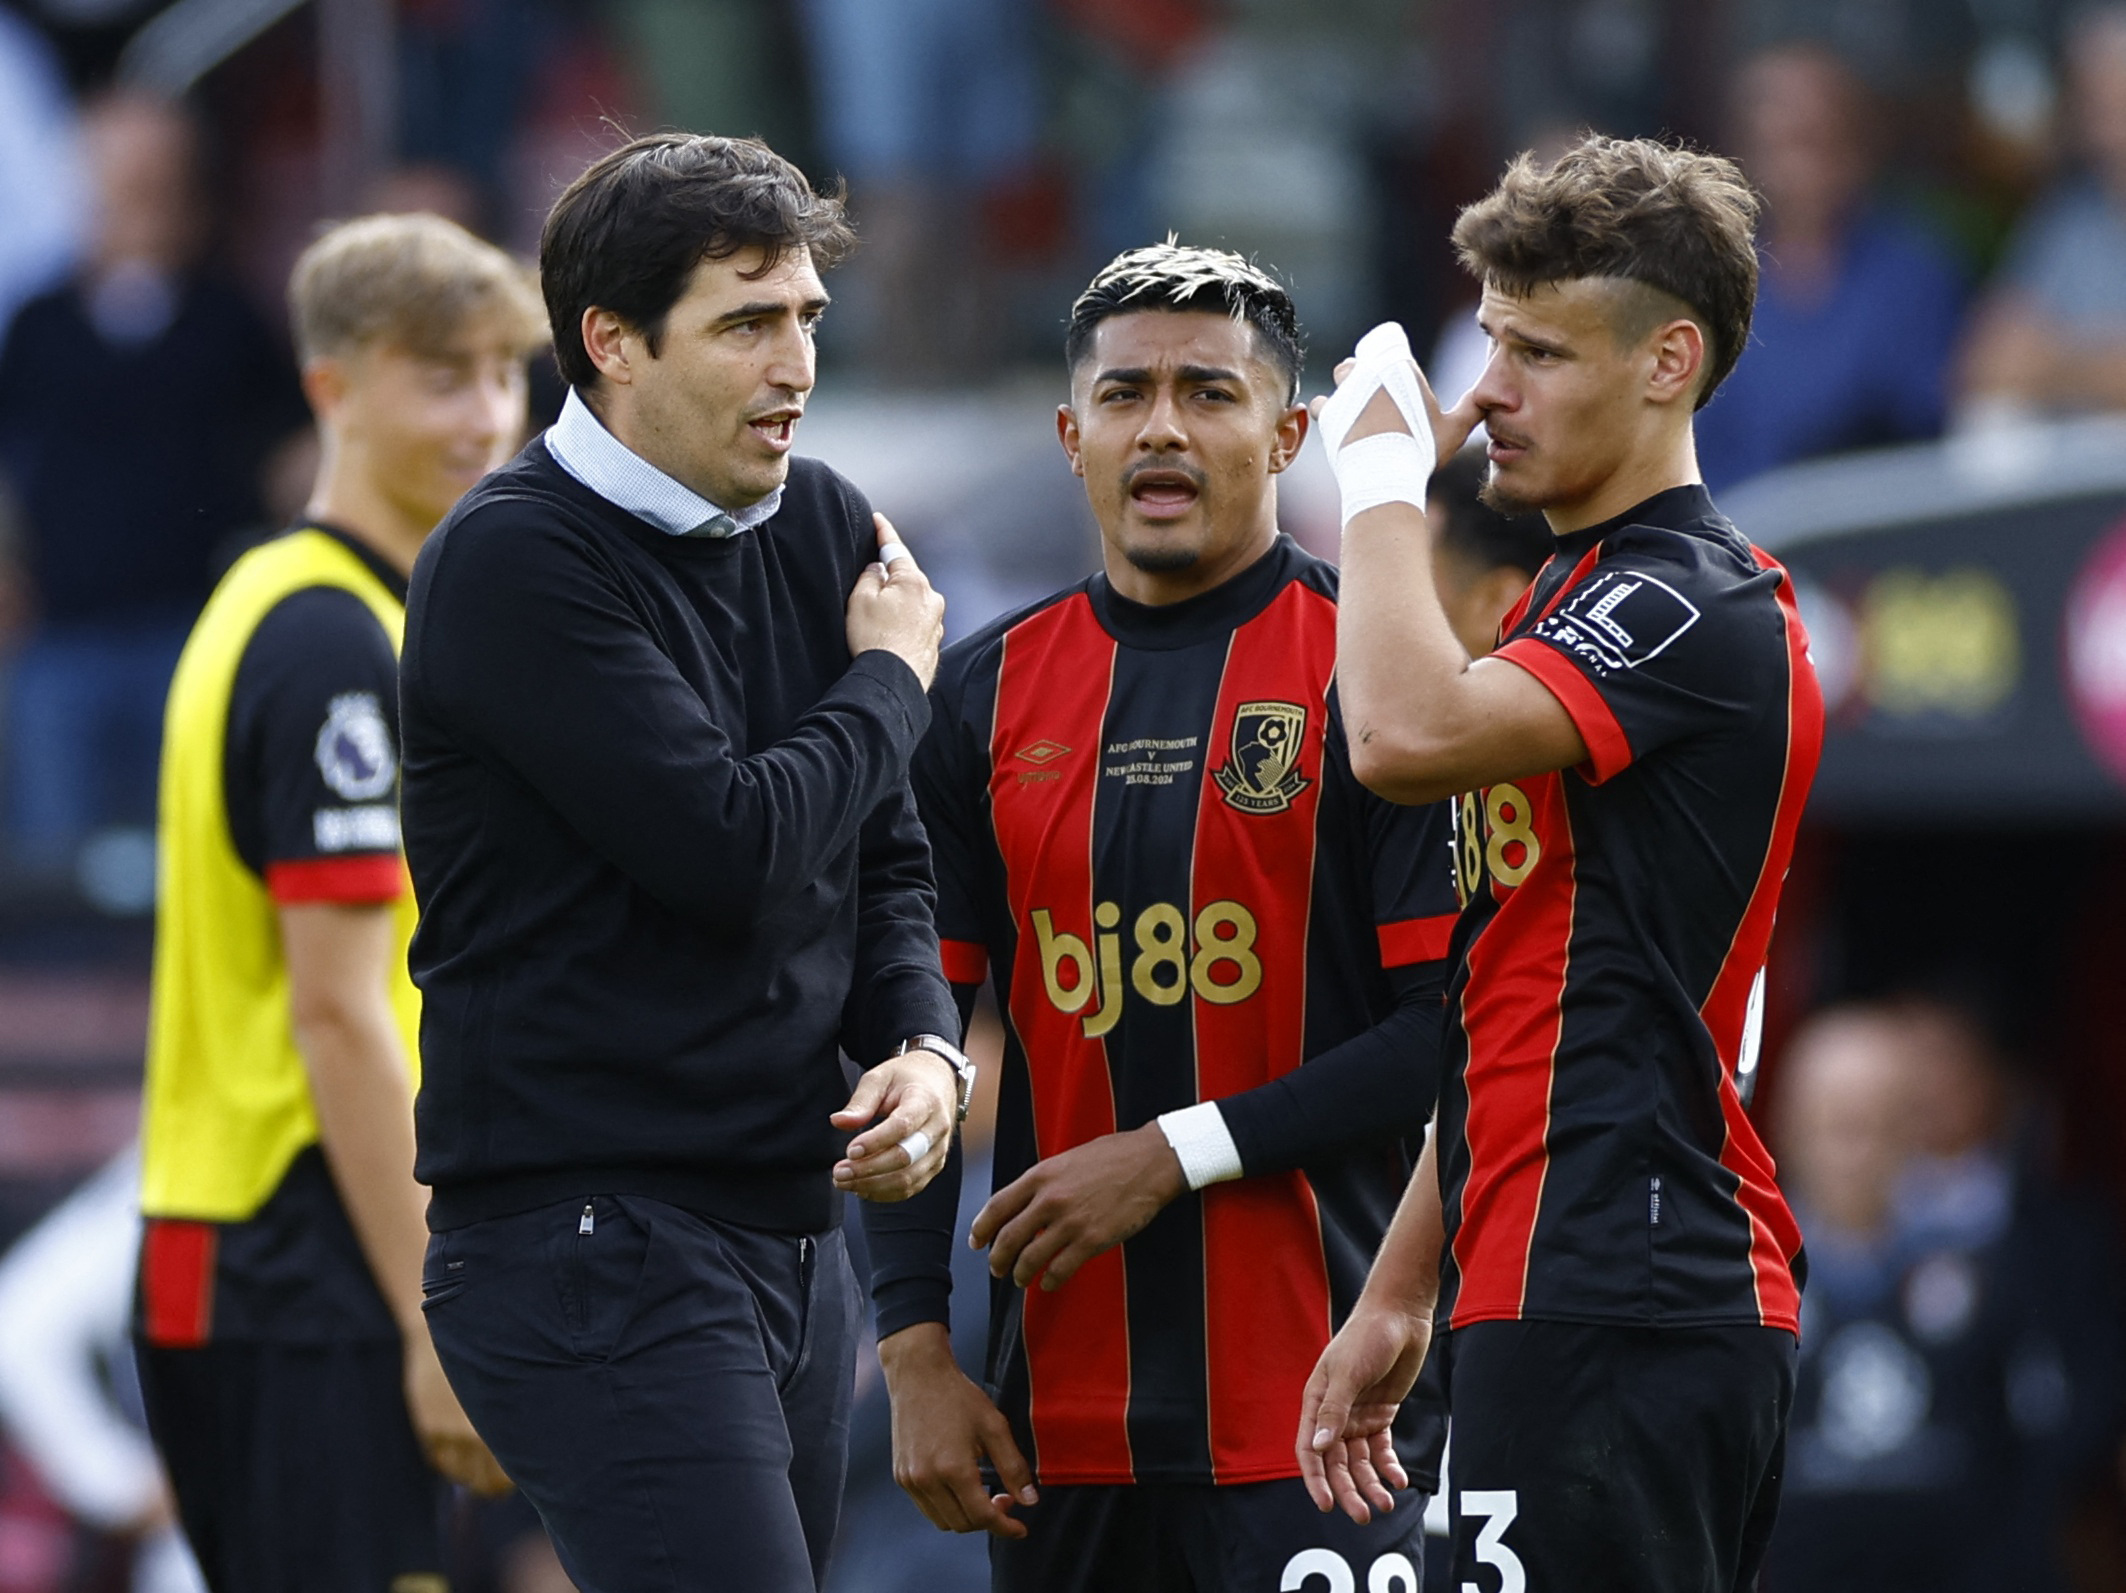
(627, 234)
(415, 282)
(1175, 276)
(1631, 210)
(1474, 530)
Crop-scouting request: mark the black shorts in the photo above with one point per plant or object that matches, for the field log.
(1613, 1459)
(1251, 1537)
(295, 1467)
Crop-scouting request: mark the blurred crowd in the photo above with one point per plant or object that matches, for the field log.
(1944, 248)
(1944, 239)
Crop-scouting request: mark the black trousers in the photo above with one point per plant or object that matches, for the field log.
(1615, 1460)
(671, 1393)
(295, 1467)
(1171, 1537)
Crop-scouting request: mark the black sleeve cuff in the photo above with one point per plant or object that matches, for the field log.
(909, 1302)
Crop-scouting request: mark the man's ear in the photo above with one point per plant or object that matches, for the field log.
(1678, 350)
(1292, 428)
(1067, 435)
(611, 343)
(325, 384)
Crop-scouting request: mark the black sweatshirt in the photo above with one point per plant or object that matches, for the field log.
(660, 829)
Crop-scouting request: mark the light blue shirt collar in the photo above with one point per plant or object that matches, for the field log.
(583, 447)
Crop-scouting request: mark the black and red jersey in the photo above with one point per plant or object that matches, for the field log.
(1597, 1165)
(1146, 831)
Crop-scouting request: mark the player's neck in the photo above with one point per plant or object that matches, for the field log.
(351, 501)
(1668, 462)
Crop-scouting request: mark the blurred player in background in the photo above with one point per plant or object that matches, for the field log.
(288, 1374)
(1219, 961)
(1602, 1236)
(1482, 560)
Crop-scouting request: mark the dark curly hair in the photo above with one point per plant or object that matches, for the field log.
(1176, 276)
(1633, 210)
(627, 234)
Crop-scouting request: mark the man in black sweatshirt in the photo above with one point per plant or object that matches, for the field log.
(658, 818)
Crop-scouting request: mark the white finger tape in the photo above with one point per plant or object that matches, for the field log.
(892, 553)
(917, 1145)
(1369, 475)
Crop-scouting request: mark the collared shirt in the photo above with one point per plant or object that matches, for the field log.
(583, 447)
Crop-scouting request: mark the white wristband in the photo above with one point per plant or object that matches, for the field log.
(1388, 467)
(1203, 1143)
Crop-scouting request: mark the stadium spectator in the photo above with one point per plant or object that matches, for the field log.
(137, 404)
(926, 105)
(40, 181)
(1858, 309)
(2051, 335)
(1959, 1369)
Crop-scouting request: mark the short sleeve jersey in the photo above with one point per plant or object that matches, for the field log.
(1596, 1162)
(310, 761)
(311, 776)
(1144, 824)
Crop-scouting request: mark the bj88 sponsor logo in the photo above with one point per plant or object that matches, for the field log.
(1166, 959)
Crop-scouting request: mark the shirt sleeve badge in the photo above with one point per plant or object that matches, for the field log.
(354, 750)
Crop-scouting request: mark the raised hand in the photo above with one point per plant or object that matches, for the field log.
(894, 607)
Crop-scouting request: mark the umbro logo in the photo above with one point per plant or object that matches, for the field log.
(1041, 752)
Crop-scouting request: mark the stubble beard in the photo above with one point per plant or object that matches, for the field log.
(1161, 561)
(1497, 498)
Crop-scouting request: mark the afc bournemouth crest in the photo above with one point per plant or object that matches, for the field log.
(1262, 775)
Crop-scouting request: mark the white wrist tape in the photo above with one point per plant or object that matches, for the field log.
(1388, 467)
(1203, 1143)
(1368, 475)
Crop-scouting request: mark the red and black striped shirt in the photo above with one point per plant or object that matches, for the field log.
(1597, 1165)
(1146, 830)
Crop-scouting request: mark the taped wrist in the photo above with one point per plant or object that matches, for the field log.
(1203, 1144)
(1389, 467)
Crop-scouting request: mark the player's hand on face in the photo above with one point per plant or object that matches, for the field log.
(441, 1424)
(903, 1095)
(895, 607)
(1450, 427)
(943, 1428)
(1060, 1213)
(1346, 1449)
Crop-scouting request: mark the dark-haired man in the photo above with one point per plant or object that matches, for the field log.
(1218, 961)
(1602, 1238)
(662, 682)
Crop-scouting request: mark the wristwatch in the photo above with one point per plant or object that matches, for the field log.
(961, 1067)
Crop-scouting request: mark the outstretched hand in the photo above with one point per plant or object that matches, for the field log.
(1346, 1449)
